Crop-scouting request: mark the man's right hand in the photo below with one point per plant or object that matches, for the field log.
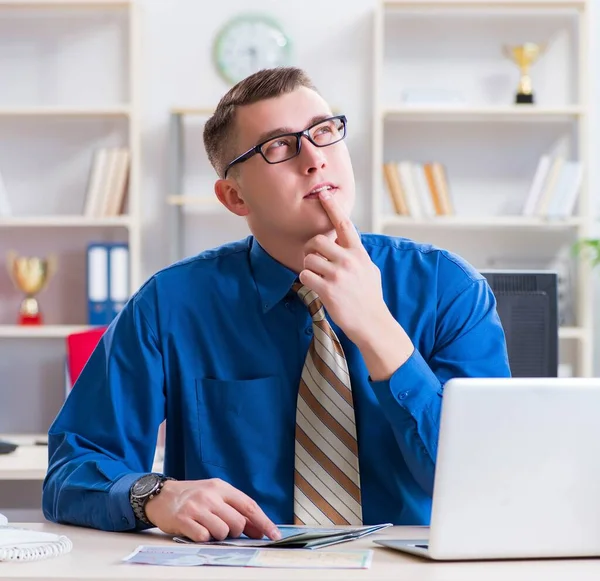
(208, 509)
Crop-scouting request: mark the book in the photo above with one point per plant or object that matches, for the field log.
(566, 191)
(395, 189)
(537, 185)
(295, 537)
(108, 182)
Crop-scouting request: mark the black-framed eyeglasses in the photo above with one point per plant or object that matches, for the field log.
(283, 147)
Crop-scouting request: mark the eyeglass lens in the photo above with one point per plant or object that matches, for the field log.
(285, 147)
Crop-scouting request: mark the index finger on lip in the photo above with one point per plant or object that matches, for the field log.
(347, 235)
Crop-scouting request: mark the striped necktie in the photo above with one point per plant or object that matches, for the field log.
(326, 476)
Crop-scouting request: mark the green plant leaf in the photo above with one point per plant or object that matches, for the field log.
(589, 248)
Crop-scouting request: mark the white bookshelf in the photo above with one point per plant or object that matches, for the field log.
(192, 200)
(481, 223)
(483, 5)
(65, 4)
(573, 333)
(191, 186)
(71, 122)
(65, 222)
(414, 44)
(39, 332)
(480, 113)
(50, 111)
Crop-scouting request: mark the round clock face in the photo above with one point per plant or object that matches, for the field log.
(247, 44)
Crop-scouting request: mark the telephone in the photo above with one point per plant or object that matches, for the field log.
(19, 544)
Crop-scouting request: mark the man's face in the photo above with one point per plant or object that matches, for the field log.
(278, 196)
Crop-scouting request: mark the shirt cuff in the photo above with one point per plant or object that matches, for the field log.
(119, 506)
(411, 387)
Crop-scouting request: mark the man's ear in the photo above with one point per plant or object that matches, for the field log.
(228, 193)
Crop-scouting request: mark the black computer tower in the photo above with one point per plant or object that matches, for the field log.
(528, 309)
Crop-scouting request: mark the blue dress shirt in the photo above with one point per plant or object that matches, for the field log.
(216, 344)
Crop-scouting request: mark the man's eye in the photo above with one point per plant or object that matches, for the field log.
(278, 143)
(324, 129)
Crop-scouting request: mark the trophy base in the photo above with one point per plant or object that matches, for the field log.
(522, 98)
(25, 319)
(29, 312)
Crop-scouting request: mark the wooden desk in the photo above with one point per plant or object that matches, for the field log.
(30, 461)
(98, 555)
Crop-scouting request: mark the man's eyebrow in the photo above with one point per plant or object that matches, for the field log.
(283, 130)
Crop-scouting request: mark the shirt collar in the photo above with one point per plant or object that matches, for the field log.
(273, 279)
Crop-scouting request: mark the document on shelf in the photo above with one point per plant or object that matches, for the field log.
(194, 556)
(299, 537)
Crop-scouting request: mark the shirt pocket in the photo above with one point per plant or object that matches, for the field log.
(234, 421)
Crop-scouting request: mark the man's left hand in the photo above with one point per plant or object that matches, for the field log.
(349, 285)
(342, 274)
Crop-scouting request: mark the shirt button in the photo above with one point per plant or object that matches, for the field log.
(308, 330)
(403, 395)
(286, 304)
(125, 521)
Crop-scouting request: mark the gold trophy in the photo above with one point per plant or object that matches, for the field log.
(524, 55)
(30, 274)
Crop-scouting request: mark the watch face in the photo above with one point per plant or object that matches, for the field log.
(247, 44)
(145, 485)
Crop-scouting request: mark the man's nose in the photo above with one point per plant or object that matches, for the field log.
(312, 157)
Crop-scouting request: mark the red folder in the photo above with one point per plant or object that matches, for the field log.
(79, 348)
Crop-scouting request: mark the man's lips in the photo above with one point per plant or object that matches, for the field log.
(311, 196)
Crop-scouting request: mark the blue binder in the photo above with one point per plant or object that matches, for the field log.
(107, 281)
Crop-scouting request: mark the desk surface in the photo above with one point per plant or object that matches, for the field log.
(98, 555)
(30, 461)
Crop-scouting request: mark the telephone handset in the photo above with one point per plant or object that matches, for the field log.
(19, 544)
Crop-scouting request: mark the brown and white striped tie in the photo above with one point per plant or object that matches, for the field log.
(326, 477)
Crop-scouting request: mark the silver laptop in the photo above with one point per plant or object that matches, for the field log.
(518, 471)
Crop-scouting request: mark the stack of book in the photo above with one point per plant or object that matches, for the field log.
(107, 182)
(555, 188)
(418, 190)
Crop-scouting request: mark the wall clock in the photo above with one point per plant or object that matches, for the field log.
(248, 43)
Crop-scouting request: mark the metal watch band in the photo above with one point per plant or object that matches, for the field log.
(138, 504)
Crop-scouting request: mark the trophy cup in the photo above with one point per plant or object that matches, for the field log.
(524, 55)
(30, 274)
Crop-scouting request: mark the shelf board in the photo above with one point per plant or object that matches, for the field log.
(209, 203)
(193, 111)
(61, 111)
(577, 333)
(485, 4)
(40, 331)
(481, 222)
(480, 113)
(61, 4)
(64, 221)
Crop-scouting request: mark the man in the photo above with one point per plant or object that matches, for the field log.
(300, 371)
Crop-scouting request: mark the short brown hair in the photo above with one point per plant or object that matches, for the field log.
(265, 84)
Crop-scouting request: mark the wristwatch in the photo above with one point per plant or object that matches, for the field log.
(142, 490)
